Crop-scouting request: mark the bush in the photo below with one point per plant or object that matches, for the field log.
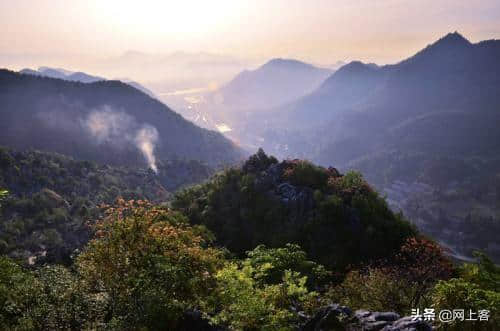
(400, 283)
(151, 264)
(477, 288)
(279, 260)
(64, 303)
(18, 292)
(259, 294)
(304, 173)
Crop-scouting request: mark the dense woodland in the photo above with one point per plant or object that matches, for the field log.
(53, 197)
(157, 266)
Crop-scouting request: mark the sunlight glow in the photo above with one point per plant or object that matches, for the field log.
(170, 19)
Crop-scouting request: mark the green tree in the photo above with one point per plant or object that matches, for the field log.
(150, 263)
(64, 303)
(279, 260)
(265, 291)
(477, 288)
(18, 293)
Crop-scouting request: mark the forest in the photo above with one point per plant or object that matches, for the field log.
(203, 258)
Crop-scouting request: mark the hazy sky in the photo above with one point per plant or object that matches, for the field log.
(320, 31)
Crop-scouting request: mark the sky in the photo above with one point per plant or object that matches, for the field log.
(78, 32)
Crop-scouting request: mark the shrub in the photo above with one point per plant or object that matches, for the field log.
(400, 283)
(18, 292)
(279, 260)
(477, 288)
(151, 264)
(244, 301)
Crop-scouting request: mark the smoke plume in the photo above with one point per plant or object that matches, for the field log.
(145, 140)
(119, 129)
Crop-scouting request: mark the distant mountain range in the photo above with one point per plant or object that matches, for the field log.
(368, 108)
(166, 73)
(79, 77)
(275, 83)
(253, 93)
(106, 121)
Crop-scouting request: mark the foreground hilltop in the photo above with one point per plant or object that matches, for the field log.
(338, 219)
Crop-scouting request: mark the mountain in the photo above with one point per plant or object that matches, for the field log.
(347, 88)
(371, 107)
(444, 99)
(252, 95)
(79, 77)
(138, 86)
(424, 131)
(62, 74)
(275, 83)
(167, 73)
(106, 121)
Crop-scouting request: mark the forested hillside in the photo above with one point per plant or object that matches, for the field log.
(52, 198)
(106, 121)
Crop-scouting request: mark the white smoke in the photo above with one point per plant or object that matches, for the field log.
(109, 126)
(145, 140)
(118, 128)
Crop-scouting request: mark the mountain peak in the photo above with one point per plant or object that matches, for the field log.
(452, 42)
(454, 39)
(356, 67)
(286, 63)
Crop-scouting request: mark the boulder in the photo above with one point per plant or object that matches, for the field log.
(335, 317)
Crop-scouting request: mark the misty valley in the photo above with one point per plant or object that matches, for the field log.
(291, 196)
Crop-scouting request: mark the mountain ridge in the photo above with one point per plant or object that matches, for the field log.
(52, 111)
(288, 78)
(79, 76)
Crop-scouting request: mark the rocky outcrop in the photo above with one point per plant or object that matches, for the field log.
(331, 317)
(335, 317)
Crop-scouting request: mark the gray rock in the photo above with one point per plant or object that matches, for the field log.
(386, 316)
(336, 317)
(408, 324)
(328, 318)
